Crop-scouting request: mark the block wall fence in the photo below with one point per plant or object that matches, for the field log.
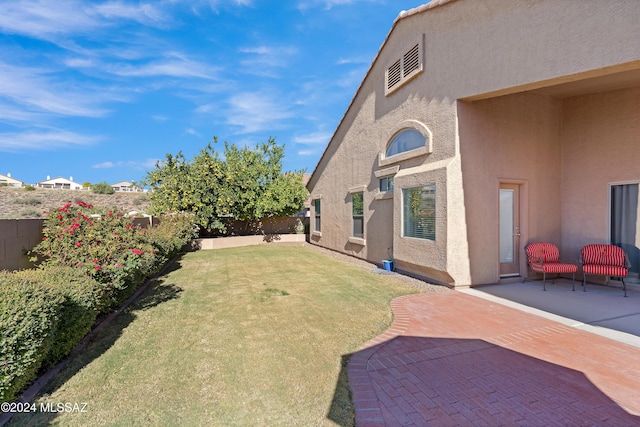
(19, 236)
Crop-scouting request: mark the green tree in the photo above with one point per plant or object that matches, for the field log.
(247, 184)
(102, 188)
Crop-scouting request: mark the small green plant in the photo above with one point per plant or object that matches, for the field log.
(140, 200)
(86, 185)
(31, 213)
(32, 201)
(102, 188)
(29, 188)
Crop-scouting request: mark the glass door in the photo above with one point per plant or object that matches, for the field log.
(625, 228)
(509, 230)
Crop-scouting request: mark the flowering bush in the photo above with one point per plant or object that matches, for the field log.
(102, 243)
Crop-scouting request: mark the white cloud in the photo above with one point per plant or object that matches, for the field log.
(316, 138)
(177, 65)
(44, 19)
(193, 132)
(35, 90)
(307, 152)
(144, 13)
(44, 140)
(265, 58)
(254, 112)
(104, 165)
(129, 164)
(326, 4)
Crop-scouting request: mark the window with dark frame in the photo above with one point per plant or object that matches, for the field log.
(419, 212)
(316, 209)
(386, 183)
(357, 210)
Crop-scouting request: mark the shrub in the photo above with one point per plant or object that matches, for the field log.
(171, 234)
(33, 213)
(29, 315)
(32, 201)
(103, 244)
(102, 188)
(82, 302)
(43, 315)
(29, 188)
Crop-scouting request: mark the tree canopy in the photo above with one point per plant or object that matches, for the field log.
(245, 184)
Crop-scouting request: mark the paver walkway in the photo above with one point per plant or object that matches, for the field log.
(452, 359)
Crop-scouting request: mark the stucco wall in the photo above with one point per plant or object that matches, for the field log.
(514, 138)
(496, 47)
(601, 145)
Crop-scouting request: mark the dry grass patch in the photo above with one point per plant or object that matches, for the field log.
(244, 336)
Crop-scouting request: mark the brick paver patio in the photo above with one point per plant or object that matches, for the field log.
(452, 359)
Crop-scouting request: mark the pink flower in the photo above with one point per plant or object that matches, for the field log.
(96, 268)
(78, 244)
(137, 251)
(118, 265)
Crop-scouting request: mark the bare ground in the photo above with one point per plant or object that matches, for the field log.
(20, 203)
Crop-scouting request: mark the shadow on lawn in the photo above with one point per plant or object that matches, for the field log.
(153, 293)
(456, 381)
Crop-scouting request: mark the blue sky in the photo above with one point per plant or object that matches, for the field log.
(101, 90)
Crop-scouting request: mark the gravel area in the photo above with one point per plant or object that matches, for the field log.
(20, 203)
(422, 285)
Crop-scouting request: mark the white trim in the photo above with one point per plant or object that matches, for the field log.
(358, 189)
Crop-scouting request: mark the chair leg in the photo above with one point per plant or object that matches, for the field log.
(573, 282)
(624, 286)
(584, 282)
(544, 281)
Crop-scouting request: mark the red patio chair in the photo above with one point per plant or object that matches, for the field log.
(604, 260)
(544, 258)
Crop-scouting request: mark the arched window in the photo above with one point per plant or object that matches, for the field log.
(405, 140)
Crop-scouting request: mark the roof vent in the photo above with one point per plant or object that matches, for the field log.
(404, 69)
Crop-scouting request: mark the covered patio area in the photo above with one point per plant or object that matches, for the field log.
(602, 310)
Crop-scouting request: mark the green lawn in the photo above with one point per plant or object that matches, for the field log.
(244, 336)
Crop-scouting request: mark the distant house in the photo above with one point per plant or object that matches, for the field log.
(126, 186)
(482, 126)
(7, 181)
(59, 183)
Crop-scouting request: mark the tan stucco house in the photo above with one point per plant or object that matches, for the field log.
(482, 126)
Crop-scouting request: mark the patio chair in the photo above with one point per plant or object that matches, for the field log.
(544, 257)
(604, 260)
